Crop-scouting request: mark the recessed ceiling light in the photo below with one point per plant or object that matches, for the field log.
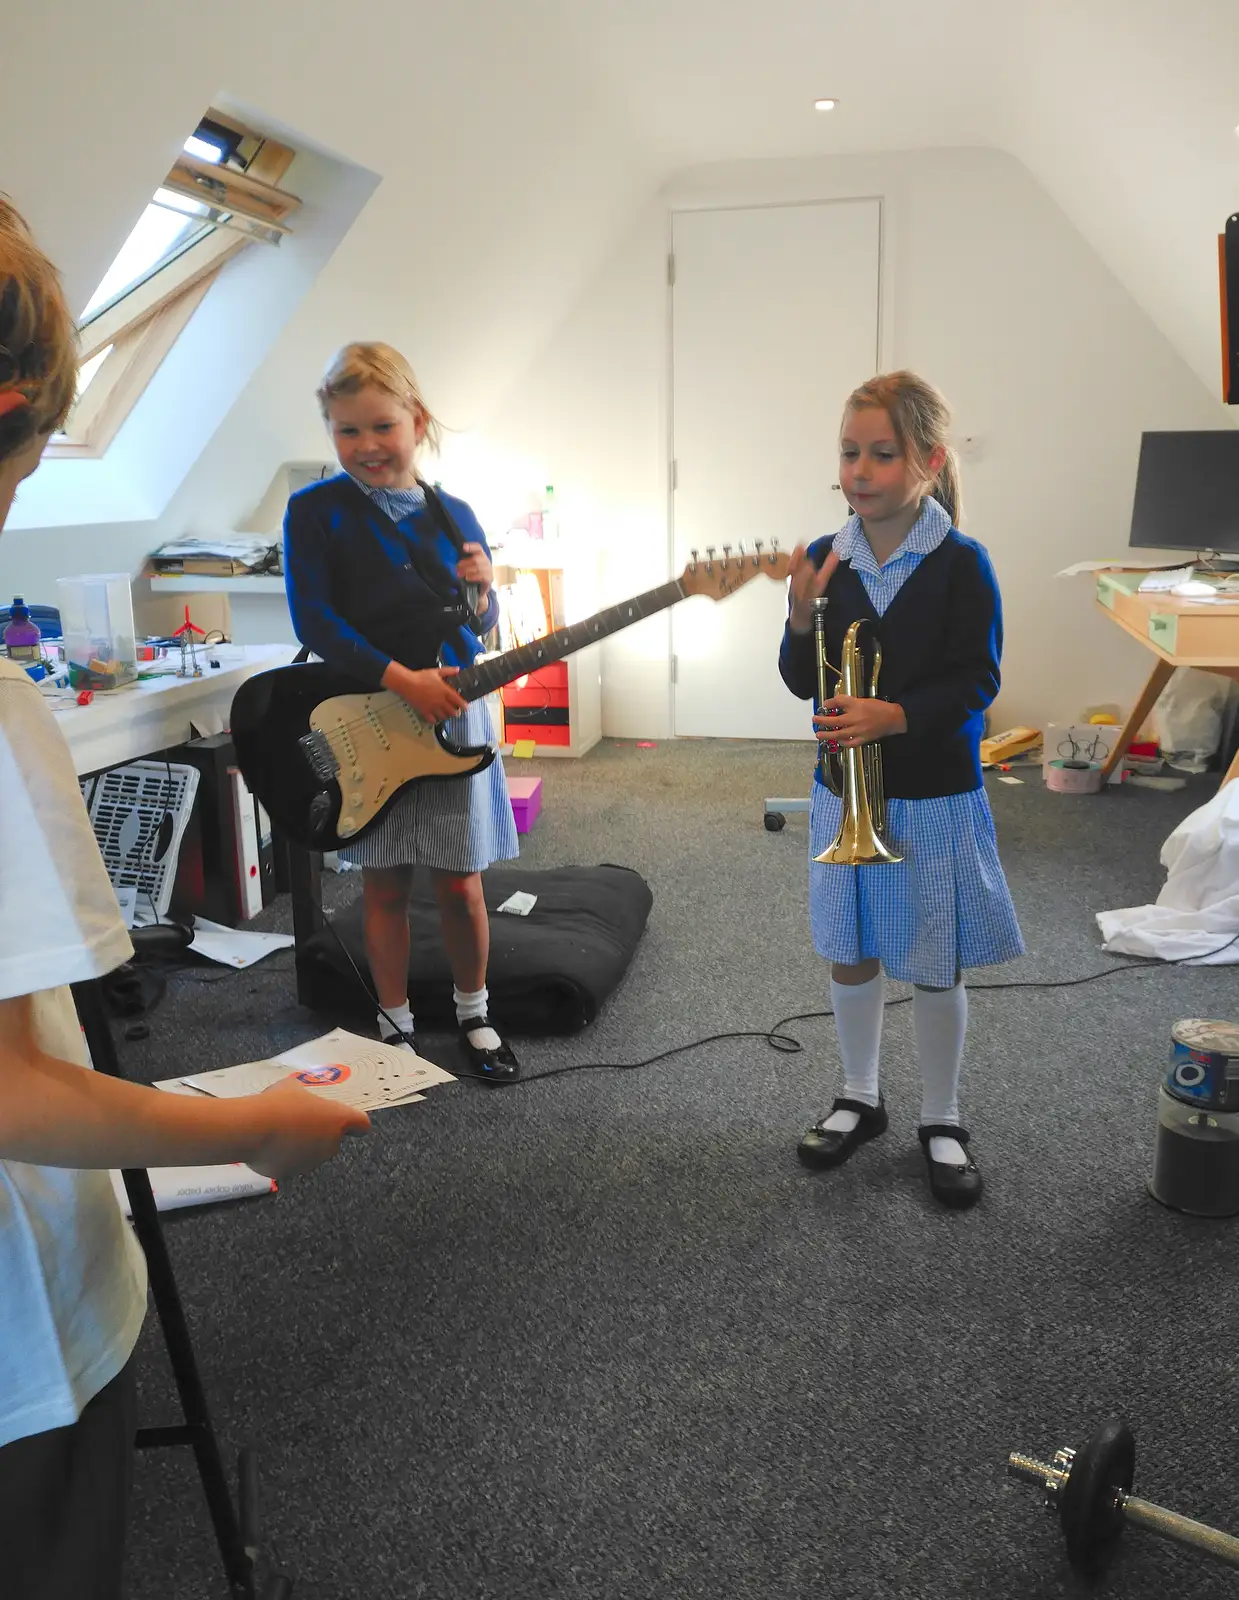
(825, 105)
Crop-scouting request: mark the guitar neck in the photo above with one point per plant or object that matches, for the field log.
(485, 676)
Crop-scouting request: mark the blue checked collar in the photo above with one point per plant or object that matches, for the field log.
(925, 535)
(397, 503)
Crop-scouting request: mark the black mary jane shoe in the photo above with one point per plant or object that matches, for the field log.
(957, 1187)
(827, 1147)
(491, 1066)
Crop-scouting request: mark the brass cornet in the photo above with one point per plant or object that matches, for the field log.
(855, 772)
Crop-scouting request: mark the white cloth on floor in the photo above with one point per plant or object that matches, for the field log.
(1197, 911)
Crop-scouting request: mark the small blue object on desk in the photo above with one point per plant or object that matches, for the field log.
(526, 797)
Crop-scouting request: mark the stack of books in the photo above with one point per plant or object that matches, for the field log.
(239, 557)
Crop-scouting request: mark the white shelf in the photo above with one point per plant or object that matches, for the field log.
(264, 583)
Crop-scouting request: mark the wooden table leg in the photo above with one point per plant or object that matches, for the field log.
(1158, 679)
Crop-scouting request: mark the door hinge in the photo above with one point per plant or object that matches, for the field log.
(675, 669)
(675, 476)
(671, 271)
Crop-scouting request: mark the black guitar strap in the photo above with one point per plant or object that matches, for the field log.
(458, 610)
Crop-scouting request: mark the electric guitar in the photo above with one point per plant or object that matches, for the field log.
(326, 756)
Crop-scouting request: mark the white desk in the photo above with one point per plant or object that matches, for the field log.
(126, 724)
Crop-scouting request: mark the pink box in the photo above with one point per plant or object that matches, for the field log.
(526, 797)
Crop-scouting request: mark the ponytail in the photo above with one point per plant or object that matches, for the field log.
(946, 490)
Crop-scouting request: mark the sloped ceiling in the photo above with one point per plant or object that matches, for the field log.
(517, 136)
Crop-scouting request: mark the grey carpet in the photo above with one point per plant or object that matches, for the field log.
(603, 1336)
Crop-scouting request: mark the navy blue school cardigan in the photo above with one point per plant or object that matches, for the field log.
(941, 645)
(355, 593)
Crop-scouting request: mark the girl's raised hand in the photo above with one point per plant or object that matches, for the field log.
(807, 584)
(475, 567)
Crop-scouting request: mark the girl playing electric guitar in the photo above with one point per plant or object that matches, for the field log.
(379, 588)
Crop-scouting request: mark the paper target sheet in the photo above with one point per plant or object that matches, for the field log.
(364, 1073)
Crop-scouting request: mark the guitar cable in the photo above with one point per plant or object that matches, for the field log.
(784, 1042)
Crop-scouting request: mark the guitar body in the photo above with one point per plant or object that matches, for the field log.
(327, 757)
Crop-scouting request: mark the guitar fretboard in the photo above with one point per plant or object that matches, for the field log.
(473, 682)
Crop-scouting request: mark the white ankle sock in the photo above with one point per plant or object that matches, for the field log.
(474, 1005)
(401, 1020)
(858, 1023)
(940, 1018)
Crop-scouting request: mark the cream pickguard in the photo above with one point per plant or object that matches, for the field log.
(379, 743)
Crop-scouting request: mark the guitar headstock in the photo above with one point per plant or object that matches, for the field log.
(720, 573)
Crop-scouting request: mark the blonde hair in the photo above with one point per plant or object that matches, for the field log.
(376, 366)
(921, 419)
(38, 341)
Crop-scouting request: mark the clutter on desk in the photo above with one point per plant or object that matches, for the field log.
(540, 522)
(96, 613)
(187, 636)
(23, 638)
(243, 555)
(1132, 561)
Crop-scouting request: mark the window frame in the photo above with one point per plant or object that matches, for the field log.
(143, 325)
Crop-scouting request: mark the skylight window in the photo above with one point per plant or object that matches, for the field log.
(222, 194)
(170, 224)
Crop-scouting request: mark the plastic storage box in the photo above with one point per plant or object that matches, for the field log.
(526, 797)
(96, 614)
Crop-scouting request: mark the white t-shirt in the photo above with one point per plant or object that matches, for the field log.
(72, 1275)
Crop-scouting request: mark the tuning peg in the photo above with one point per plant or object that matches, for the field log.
(726, 554)
(710, 558)
(693, 562)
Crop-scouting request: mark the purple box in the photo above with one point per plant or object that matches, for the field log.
(526, 797)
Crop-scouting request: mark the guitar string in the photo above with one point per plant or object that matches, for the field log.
(357, 723)
(479, 668)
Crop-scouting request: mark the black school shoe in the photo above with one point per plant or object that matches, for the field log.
(491, 1066)
(827, 1147)
(957, 1187)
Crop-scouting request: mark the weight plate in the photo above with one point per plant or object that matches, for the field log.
(1091, 1520)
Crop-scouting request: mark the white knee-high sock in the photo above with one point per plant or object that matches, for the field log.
(858, 1022)
(940, 1018)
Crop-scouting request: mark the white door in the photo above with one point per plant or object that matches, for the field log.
(774, 323)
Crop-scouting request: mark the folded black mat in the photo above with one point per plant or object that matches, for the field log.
(549, 972)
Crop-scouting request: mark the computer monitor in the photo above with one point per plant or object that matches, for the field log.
(1187, 492)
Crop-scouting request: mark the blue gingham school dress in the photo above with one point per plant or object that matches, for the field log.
(453, 824)
(946, 905)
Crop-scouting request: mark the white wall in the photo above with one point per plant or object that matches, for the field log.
(993, 295)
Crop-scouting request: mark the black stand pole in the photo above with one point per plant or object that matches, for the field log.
(236, 1525)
